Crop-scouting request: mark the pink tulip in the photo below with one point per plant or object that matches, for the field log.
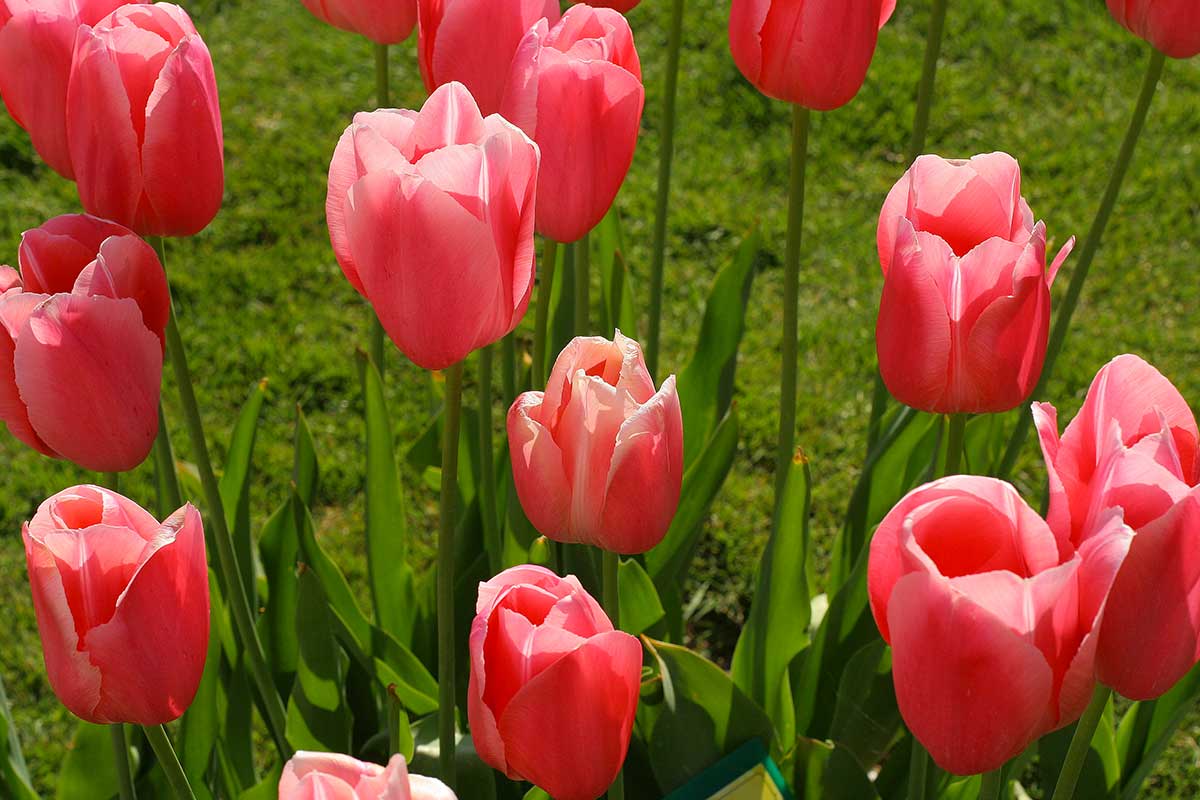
(474, 41)
(623, 6)
(598, 457)
(381, 21)
(332, 776)
(146, 139)
(553, 687)
(37, 40)
(985, 620)
(1172, 26)
(431, 218)
(81, 343)
(965, 312)
(121, 603)
(814, 53)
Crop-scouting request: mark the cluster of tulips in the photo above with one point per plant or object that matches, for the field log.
(1004, 625)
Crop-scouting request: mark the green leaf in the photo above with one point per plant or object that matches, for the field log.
(266, 789)
(866, 718)
(88, 772)
(829, 771)
(1100, 777)
(537, 794)
(317, 716)
(14, 775)
(475, 779)
(235, 483)
(306, 473)
(616, 308)
(1154, 723)
(278, 546)
(201, 722)
(562, 304)
(640, 606)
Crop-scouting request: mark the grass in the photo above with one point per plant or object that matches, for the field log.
(260, 295)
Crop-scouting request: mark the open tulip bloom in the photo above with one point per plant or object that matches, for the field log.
(333, 776)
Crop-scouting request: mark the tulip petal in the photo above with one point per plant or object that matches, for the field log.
(537, 464)
(53, 254)
(35, 62)
(15, 309)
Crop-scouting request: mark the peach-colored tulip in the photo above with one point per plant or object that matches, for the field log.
(381, 21)
(332, 776)
(121, 603)
(553, 687)
(965, 312)
(1172, 26)
(81, 343)
(598, 457)
(985, 620)
(145, 128)
(431, 218)
(814, 53)
(37, 40)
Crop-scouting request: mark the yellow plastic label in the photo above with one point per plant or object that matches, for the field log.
(754, 785)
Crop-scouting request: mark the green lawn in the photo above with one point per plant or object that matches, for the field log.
(260, 295)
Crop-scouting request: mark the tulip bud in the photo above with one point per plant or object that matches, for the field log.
(553, 687)
(814, 53)
(121, 603)
(145, 126)
(965, 312)
(1172, 26)
(381, 21)
(332, 776)
(598, 457)
(81, 343)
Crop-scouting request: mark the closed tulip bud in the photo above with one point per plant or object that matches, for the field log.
(381, 21)
(553, 687)
(965, 311)
(598, 457)
(121, 603)
(37, 40)
(81, 343)
(814, 53)
(1172, 26)
(145, 127)
(431, 219)
(624, 6)
(985, 619)
(332, 776)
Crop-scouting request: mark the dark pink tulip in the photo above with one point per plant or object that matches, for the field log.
(431, 218)
(814, 53)
(553, 687)
(598, 457)
(332, 776)
(145, 126)
(81, 343)
(37, 40)
(122, 605)
(624, 6)
(1172, 26)
(381, 21)
(965, 311)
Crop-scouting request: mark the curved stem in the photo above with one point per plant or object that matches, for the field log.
(1081, 742)
(445, 573)
(1062, 320)
(487, 477)
(376, 340)
(165, 753)
(542, 319)
(170, 497)
(121, 756)
(990, 784)
(583, 268)
(612, 606)
(663, 200)
(956, 426)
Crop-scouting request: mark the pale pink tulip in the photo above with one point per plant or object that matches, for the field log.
(381, 21)
(332, 776)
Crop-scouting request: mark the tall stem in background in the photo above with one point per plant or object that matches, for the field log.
(1081, 742)
(445, 573)
(583, 258)
(1062, 320)
(537, 376)
(612, 606)
(487, 477)
(666, 155)
(384, 99)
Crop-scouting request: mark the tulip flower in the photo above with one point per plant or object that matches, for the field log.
(623, 6)
(431, 218)
(598, 457)
(146, 140)
(121, 603)
(553, 687)
(814, 53)
(81, 343)
(381, 21)
(1172, 26)
(986, 621)
(332, 776)
(965, 311)
(37, 40)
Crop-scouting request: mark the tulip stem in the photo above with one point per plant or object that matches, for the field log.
(508, 368)
(121, 755)
(542, 318)
(662, 205)
(1062, 321)
(612, 606)
(487, 477)
(990, 784)
(956, 434)
(918, 770)
(239, 604)
(383, 98)
(445, 573)
(583, 268)
(165, 753)
(791, 296)
(1081, 742)
(169, 495)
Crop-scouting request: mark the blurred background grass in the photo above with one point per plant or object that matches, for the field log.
(259, 293)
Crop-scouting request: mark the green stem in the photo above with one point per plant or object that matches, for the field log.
(165, 753)
(542, 318)
(990, 784)
(612, 606)
(111, 480)
(583, 257)
(445, 573)
(508, 368)
(663, 200)
(487, 477)
(791, 299)
(1081, 742)
(956, 428)
(383, 97)
(170, 497)
(121, 755)
(394, 710)
(1062, 320)
(237, 601)
(918, 770)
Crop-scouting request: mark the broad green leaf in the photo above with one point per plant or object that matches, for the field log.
(306, 472)
(235, 483)
(201, 722)
(317, 715)
(14, 775)
(866, 719)
(266, 789)
(278, 546)
(1148, 728)
(829, 771)
(640, 606)
(1100, 777)
(88, 772)
(616, 308)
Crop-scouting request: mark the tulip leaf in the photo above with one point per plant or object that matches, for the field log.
(616, 310)
(235, 483)
(866, 718)
(829, 771)
(317, 715)
(640, 606)
(985, 441)
(475, 779)
(1148, 728)
(1101, 774)
(561, 328)
(14, 775)
(201, 722)
(306, 472)
(88, 772)
(266, 789)
(777, 627)
(278, 546)
(537, 794)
